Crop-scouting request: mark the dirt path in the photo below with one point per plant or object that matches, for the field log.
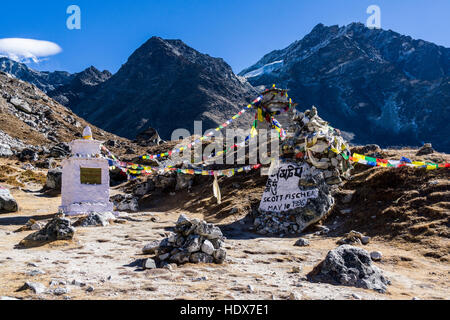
(256, 268)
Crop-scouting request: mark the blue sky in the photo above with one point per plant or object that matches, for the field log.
(240, 32)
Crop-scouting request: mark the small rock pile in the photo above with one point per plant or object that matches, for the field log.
(320, 145)
(193, 241)
(350, 266)
(57, 229)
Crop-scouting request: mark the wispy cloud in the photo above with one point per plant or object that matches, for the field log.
(27, 50)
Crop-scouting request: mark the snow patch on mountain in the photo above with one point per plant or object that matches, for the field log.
(268, 68)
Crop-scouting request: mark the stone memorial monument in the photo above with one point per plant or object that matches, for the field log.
(85, 178)
(315, 160)
(295, 197)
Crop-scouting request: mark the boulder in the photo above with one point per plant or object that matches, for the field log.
(376, 255)
(7, 202)
(201, 257)
(61, 150)
(95, 219)
(151, 247)
(350, 266)
(149, 264)
(125, 202)
(353, 237)
(148, 137)
(220, 256)
(193, 243)
(302, 242)
(426, 149)
(370, 149)
(54, 180)
(28, 154)
(180, 257)
(167, 181)
(208, 230)
(143, 188)
(31, 225)
(21, 105)
(46, 163)
(5, 150)
(296, 196)
(36, 287)
(57, 229)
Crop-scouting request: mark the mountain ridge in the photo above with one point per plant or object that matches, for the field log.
(163, 78)
(378, 85)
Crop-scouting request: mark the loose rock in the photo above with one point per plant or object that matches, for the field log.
(425, 150)
(350, 266)
(7, 202)
(302, 243)
(376, 255)
(353, 237)
(149, 264)
(54, 181)
(36, 287)
(125, 203)
(60, 291)
(94, 219)
(150, 248)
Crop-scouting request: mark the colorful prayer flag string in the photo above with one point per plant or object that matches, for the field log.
(224, 125)
(403, 162)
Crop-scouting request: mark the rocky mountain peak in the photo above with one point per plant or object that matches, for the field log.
(46, 81)
(92, 76)
(165, 84)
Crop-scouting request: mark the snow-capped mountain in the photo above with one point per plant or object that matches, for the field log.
(377, 85)
(44, 80)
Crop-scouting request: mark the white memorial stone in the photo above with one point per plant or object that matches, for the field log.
(85, 178)
(282, 192)
(295, 197)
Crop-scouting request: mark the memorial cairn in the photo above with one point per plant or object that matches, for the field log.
(313, 161)
(193, 241)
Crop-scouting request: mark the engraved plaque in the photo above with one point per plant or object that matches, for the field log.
(91, 175)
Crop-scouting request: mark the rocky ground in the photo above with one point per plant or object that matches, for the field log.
(403, 211)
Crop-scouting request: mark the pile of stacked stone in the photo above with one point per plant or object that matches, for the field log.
(320, 145)
(95, 219)
(193, 241)
(315, 159)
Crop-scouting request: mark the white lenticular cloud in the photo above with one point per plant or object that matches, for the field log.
(27, 50)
